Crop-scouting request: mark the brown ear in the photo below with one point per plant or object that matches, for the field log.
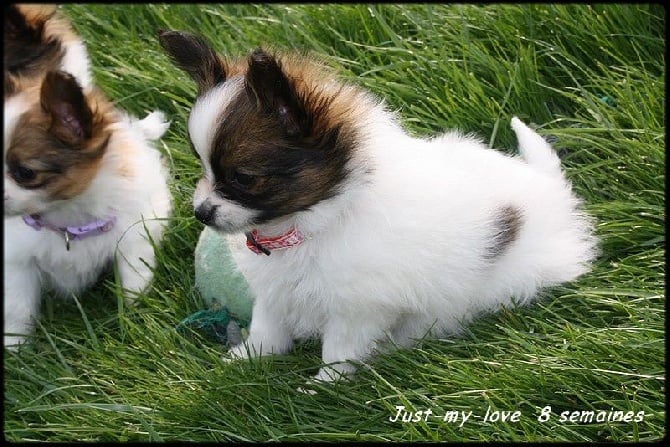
(195, 56)
(274, 94)
(63, 99)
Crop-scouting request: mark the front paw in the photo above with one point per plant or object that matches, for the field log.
(12, 342)
(131, 298)
(251, 349)
(239, 352)
(334, 373)
(328, 375)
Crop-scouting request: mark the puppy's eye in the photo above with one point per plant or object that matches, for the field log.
(22, 174)
(243, 180)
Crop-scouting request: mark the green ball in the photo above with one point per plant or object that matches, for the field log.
(217, 278)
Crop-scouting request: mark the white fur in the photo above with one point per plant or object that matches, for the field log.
(207, 113)
(34, 260)
(13, 108)
(76, 62)
(401, 252)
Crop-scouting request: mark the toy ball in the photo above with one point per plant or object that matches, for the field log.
(224, 291)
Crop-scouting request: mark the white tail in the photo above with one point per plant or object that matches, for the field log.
(535, 149)
(154, 125)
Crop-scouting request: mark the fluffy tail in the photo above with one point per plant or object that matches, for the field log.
(535, 150)
(154, 125)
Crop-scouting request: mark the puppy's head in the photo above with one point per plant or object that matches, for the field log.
(273, 133)
(55, 147)
(32, 44)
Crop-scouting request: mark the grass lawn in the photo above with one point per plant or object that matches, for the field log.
(591, 77)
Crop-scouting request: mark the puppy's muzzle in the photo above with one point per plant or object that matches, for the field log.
(205, 212)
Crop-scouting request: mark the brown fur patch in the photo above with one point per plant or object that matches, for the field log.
(507, 225)
(294, 140)
(61, 139)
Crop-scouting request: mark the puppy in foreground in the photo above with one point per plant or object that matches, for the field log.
(347, 228)
(83, 183)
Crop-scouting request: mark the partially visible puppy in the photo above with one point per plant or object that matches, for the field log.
(83, 183)
(36, 39)
(372, 235)
(83, 186)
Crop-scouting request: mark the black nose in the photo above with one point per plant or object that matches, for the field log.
(205, 213)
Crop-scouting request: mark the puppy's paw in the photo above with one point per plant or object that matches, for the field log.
(327, 375)
(226, 358)
(12, 342)
(333, 373)
(236, 353)
(307, 389)
(131, 298)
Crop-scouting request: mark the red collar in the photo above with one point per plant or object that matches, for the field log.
(263, 245)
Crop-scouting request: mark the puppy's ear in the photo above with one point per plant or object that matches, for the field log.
(195, 56)
(63, 99)
(275, 94)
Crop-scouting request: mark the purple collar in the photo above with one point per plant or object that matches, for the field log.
(74, 232)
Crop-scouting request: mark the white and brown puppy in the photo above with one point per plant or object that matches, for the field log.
(83, 186)
(372, 235)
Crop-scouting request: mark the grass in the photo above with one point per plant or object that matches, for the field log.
(592, 78)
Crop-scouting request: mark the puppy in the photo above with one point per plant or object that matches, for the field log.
(347, 228)
(83, 186)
